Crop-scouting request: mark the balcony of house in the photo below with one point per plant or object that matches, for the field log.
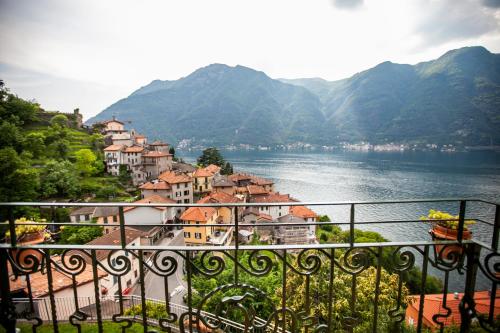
(431, 271)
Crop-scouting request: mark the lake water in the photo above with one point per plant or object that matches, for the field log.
(373, 176)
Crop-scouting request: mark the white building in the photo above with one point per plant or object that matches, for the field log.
(113, 156)
(110, 283)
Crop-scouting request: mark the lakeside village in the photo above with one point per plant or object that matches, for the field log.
(362, 146)
(161, 178)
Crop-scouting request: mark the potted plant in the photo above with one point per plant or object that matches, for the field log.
(445, 229)
(28, 235)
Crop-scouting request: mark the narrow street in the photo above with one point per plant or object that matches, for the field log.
(154, 285)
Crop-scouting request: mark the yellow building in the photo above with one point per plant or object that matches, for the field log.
(202, 179)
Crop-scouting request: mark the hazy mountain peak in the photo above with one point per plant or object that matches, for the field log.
(453, 99)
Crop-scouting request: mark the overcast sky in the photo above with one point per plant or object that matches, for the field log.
(89, 54)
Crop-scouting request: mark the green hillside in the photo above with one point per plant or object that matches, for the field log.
(44, 156)
(451, 100)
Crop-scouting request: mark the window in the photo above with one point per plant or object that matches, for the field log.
(179, 201)
(105, 220)
(186, 192)
(187, 235)
(178, 185)
(201, 188)
(115, 218)
(87, 217)
(197, 235)
(77, 218)
(186, 200)
(185, 185)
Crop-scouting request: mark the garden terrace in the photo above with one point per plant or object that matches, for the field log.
(343, 284)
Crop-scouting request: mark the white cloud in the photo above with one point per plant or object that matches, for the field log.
(118, 46)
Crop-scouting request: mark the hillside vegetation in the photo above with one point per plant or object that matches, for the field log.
(54, 160)
(451, 100)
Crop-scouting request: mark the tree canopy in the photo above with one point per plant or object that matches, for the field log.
(212, 155)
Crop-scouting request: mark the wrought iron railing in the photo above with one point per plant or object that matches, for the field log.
(342, 285)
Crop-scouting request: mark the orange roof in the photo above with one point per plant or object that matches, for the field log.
(434, 305)
(261, 181)
(200, 214)
(219, 197)
(114, 148)
(172, 177)
(272, 197)
(155, 198)
(239, 176)
(155, 186)
(156, 154)
(302, 211)
(263, 216)
(202, 172)
(256, 189)
(60, 280)
(139, 136)
(213, 168)
(134, 149)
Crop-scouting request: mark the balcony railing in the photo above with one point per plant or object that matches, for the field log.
(341, 286)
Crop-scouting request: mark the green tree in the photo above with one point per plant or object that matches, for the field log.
(365, 293)
(35, 143)
(171, 151)
(85, 162)
(124, 175)
(227, 169)
(59, 179)
(59, 149)
(18, 182)
(59, 120)
(79, 235)
(10, 135)
(14, 109)
(211, 156)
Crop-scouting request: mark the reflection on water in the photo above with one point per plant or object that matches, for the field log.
(374, 176)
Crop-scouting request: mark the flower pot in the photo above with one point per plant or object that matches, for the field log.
(24, 260)
(442, 233)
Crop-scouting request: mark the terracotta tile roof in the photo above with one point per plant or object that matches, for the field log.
(113, 238)
(263, 216)
(302, 211)
(155, 198)
(256, 190)
(155, 186)
(134, 149)
(200, 214)
(272, 197)
(219, 197)
(202, 172)
(261, 181)
(236, 177)
(60, 280)
(172, 177)
(213, 168)
(114, 148)
(433, 304)
(139, 136)
(156, 154)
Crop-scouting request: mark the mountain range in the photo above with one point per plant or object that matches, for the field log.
(454, 99)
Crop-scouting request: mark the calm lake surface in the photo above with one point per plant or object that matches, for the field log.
(370, 176)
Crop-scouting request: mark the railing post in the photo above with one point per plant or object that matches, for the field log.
(7, 319)
(461, 221)
(351, 225)
(121, 220)
(467, 306)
